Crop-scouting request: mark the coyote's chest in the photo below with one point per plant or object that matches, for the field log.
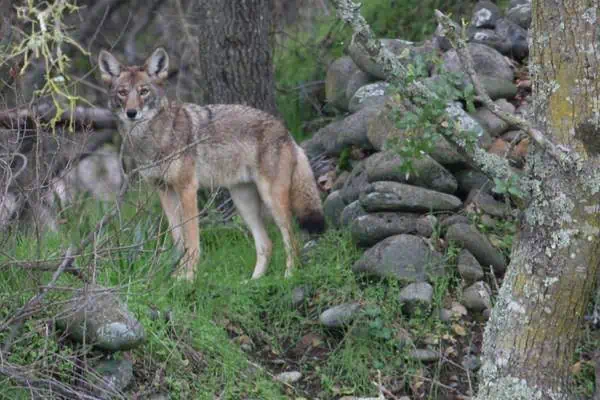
(157, 155)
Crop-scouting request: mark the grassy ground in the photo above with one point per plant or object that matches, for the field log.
(224, 336)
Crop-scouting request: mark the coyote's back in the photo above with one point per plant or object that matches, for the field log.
(180, 146)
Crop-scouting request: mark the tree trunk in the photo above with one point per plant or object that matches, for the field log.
(531, 336)
(235, 52)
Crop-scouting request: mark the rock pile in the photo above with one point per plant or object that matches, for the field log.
(401, 219)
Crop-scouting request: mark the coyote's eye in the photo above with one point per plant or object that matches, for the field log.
(144, 91)
(122, 93)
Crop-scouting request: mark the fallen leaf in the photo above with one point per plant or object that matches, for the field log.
(459, 330)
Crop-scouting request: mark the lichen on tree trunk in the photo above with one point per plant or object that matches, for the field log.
(531, 336)
(235, 52)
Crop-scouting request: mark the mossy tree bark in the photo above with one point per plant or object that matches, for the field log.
(533, 330)
(235, 52)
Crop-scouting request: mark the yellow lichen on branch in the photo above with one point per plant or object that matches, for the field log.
(45, 39)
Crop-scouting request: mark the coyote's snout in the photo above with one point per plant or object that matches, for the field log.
(180, 147)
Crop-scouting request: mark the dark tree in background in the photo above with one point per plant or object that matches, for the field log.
(234, 52)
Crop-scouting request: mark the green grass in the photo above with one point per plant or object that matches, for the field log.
(212, 317)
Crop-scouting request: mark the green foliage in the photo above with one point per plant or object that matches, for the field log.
(422, 119)
(344, 160)
(221, 311)
(409, 20)
(502, 232)
(509, 187)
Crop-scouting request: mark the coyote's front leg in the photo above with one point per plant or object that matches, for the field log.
(189, 202)
(172, 209)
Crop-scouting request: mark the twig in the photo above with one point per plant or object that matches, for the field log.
(382, 389)
(49, 386)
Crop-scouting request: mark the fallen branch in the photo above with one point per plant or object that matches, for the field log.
(95, 117)
(451, 31)
(490, 164)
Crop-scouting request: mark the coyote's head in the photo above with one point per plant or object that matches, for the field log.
(135, 91)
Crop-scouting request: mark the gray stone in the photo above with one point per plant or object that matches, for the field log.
(471, 239)
(428, 173)
(299, 295)
(488, 221)
(426, 225)
(351, 212)
(397, 47)
(469, 125)
(454, 219)
(369, 95)
(498, 88)
(339, 316)
(334, 138)
(445, 315)
(525, 110)
(520, 15)
(110, 378)
(289, 377)
(468, 267)
(358, 79)
(96, 316)
(425, 355)
(491, 38)
(477, 297)
(489, 121)
(469, 180)
(488, 204)
(340, 180)
(333, 207)
(471, 362)
(355, 183)
(308, 250)
(515, 135)
(336, 81)
(485, 14)
(486, 60)
(440, 41)
(369, 229)
(406, 258)
(394, 196)
(516, 36)
(417, 295)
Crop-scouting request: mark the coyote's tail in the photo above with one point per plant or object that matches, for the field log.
(306, 202)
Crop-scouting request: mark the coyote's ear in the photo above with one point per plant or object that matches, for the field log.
(157, 65)
(110, 67)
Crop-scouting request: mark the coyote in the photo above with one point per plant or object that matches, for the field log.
(179, 147)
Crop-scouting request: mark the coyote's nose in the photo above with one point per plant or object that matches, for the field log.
(131, 113)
